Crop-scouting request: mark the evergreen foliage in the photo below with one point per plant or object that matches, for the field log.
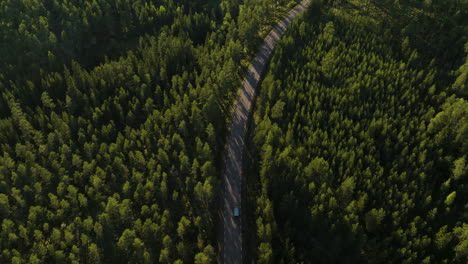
(112, 123)
(360, 137)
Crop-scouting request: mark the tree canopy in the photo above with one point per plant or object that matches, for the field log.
(112, 122)
(359, 139)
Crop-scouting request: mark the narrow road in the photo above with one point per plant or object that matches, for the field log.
(232, 246)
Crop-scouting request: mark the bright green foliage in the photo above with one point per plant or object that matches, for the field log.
(461, 248)
(359, 144)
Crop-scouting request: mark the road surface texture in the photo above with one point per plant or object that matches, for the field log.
(232, 244)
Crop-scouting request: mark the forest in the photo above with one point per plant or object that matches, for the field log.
(359, 140)
(112, 122)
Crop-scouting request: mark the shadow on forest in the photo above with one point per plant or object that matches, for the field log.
(316, 240)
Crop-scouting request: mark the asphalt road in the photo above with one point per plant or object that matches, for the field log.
(232, 244)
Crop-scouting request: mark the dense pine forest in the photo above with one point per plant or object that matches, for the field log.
(114, 115)
(360, 137)
(112, 122)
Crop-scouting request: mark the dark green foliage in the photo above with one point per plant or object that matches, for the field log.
(360, 142)
(112, 123)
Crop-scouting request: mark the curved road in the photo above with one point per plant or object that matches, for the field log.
(232, 246)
